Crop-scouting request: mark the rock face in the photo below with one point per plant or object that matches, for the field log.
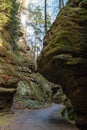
(33, 90)
(17, 66)
(8, 79)
(8, 61)
(18, 71)
(64, 56)
(58, 97)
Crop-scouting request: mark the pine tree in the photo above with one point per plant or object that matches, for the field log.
(36, 24)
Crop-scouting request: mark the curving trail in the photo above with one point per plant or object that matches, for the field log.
(42, 119)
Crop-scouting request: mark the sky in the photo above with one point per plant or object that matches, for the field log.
(38, 2)
(50, 9)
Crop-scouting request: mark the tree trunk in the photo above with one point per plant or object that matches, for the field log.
(45, 13)
(62, 2)
(59, 5)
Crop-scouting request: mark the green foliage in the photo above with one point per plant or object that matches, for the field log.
(5, 11)
(36, 23)
(37, 18)
(14, 24)
(9, 21)
(5, 6)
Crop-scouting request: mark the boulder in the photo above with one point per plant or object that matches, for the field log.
(63, 59)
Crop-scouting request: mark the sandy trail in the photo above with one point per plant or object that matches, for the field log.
(41, 119)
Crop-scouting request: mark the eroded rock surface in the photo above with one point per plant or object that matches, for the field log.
(17, 66)
(64, 56)
(8, 77)
(8, 61)
(33, 90)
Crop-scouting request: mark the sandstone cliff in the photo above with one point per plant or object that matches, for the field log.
(33, 90)
(8, 60)
(17, 66)
(64, 56)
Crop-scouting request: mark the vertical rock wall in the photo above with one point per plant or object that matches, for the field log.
(8, 61)
(63, 59)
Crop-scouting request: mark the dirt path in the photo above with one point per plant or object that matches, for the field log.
(42, 119)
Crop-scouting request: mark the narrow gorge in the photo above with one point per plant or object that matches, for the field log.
(27, 99)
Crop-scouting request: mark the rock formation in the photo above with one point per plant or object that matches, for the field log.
(33, 90)
(18, 71)
(8, 61)
(17, 66)
(8, 79)
(63, 59)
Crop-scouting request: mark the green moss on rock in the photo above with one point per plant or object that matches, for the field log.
(64, 57)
